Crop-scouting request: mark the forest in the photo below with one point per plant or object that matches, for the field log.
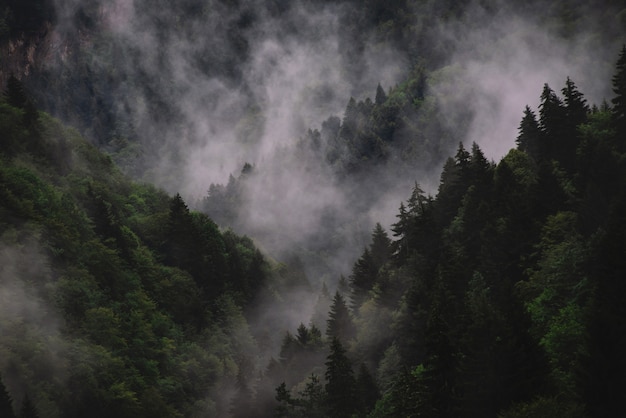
(253, 226)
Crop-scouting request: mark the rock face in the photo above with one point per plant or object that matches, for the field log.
(24, 54)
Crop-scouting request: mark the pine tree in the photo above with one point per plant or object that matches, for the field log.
(400, 230)
(285, 408)
(340, 382)
(530, 138)
(462, 157)
(28, 409)
(576, 107)
(339, 324)
(552, 122)
(6, 402)
(380, 248)
(480, 170)
(362, 279)
(288, 348)
(619, 101)
(366, 390)
(15, 93)
(576, 111)
(349, 123)
(313, 399)
(381, 97)
(303, 336)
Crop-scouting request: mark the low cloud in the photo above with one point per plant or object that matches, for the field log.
(502, 60)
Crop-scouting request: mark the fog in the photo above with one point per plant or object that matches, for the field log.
(502, 61)
(199, 122)
(29, 324)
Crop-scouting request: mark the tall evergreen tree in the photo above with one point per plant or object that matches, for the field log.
(381, 96)
(603, 375)
(552, 120)
(530, 138)
(619, 101)
(340, 383)
(339, 324)
(576, 111)
(15, 93)
(366, 391)
(576, 107)
(380, 248)
(362, 279)
(6, 402)
(28, 409)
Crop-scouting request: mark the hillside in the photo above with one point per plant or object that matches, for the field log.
(312, 208)
(117, 300)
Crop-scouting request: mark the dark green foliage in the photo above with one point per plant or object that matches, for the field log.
(362, 279)
(551, 122)
(310, 404)
(366, 390)
(500, 296)
(602, 371)
(150, 294)
(339, 324)
(529, 139)
(28, 409)
(545, 408)
(513, 309)
(340, 386)
(15, 93)
(619, 101)
(6, 402)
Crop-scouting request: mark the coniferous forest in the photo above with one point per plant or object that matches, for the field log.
(310, 209)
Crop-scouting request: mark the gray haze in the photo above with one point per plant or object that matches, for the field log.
(501, 63)
(296, 76)
(30, 327)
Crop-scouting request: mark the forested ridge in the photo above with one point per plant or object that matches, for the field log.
(497, 292)
(500, 296)
(117, 300)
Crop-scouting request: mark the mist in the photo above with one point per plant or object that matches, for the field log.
(501, 62)
(29, 324)
(294, 75)
(200, 122)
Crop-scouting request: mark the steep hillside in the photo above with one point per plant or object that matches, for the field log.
(141, 139)
(116, 299)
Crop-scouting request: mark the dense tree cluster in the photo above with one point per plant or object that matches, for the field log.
(117, 299)
(500, 296)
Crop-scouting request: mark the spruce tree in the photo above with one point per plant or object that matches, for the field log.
(366, 390)
(576, 111)
(28, 409)
(340, 382)
(529, 137)
(362, 279)
(381, 96)
(15, 93)
(575, 103)
(380, 248)
(339, 324)
(619, 101)
(6, 402)
(552, 121)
